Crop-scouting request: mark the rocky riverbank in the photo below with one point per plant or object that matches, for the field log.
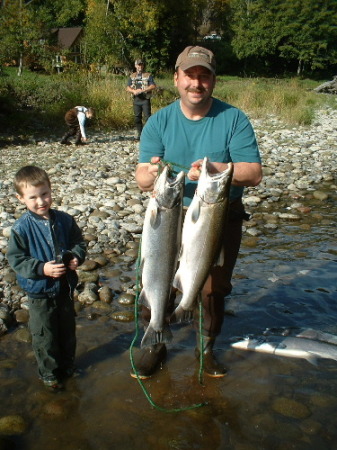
(95, 183)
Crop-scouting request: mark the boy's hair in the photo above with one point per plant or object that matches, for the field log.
(30, 175)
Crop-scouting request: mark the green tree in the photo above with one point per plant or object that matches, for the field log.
(121, 30)
(309, 33)
(294, 30)
(253, 26)
(20, 34)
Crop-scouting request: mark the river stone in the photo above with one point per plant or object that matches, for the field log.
(319, 195)
(85, 277)
(112, 273)
(10, 277)
(5, 314)
(23, 335)
(126, 299)
(133, 252)
(123, 316)
(12, 425)
(324, 401)
(104, 307)
(132, 227)
(89, 265)
(88, 297)
(8, 364)
(100, 260)
(289, 216)
(58, 408)
(21, 315)
(310, 427)
(6, 232)
(89, 237)
(291, 408)
(105, 294)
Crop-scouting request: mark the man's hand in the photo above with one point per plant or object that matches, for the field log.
(212, 167)
(146, 173)
(194, 172)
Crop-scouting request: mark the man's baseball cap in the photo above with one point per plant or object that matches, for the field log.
(196, 56)
(139, 61)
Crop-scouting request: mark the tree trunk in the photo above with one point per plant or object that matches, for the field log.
(300, 67)
(20, 65)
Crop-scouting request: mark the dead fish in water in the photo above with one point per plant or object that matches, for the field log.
(161, 240)
(202, 230)
(293, 347)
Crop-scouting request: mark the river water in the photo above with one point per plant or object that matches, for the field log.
(285, 279)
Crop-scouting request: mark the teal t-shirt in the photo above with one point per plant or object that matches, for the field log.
(225, 134)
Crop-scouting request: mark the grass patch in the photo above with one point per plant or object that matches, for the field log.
(292, 100)
(35, 102)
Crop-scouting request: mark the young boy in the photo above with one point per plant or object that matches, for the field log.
(45, 248)
(75, 119)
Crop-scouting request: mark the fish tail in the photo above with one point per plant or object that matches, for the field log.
(181, 315)
(153, 337)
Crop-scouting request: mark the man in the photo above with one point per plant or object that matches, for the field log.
(183, 133)
(141, 85)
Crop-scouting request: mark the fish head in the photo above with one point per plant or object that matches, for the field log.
(168, 190)
(214, 188)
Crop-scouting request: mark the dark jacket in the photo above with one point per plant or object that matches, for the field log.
(35, 241)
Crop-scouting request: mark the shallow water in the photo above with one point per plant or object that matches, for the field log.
(284, 279)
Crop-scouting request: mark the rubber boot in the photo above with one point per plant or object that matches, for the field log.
(149, 361)
(211, 366)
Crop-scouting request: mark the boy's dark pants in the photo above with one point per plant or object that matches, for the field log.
(52, 325)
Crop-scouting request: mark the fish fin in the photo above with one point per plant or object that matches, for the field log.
(312, 359)
(180, 252)
(177, 282)
(152, 337)
(142, 299)
(181, 315)
(154, 216)
(196, 211)
(220, 261)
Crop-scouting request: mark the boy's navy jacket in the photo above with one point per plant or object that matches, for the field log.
(35, 241)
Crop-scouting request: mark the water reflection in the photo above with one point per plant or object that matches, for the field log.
(288, 279)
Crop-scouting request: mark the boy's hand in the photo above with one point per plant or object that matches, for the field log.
(73, 264)
(54, 270)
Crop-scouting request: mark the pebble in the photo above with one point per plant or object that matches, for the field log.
(12, 425)
(291, 408)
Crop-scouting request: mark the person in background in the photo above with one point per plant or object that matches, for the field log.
(195, 126)
(75, 119)
(45, 249)
(140, 85)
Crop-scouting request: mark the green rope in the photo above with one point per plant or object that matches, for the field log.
(162, 163)
(201, 344)
(147, 395)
